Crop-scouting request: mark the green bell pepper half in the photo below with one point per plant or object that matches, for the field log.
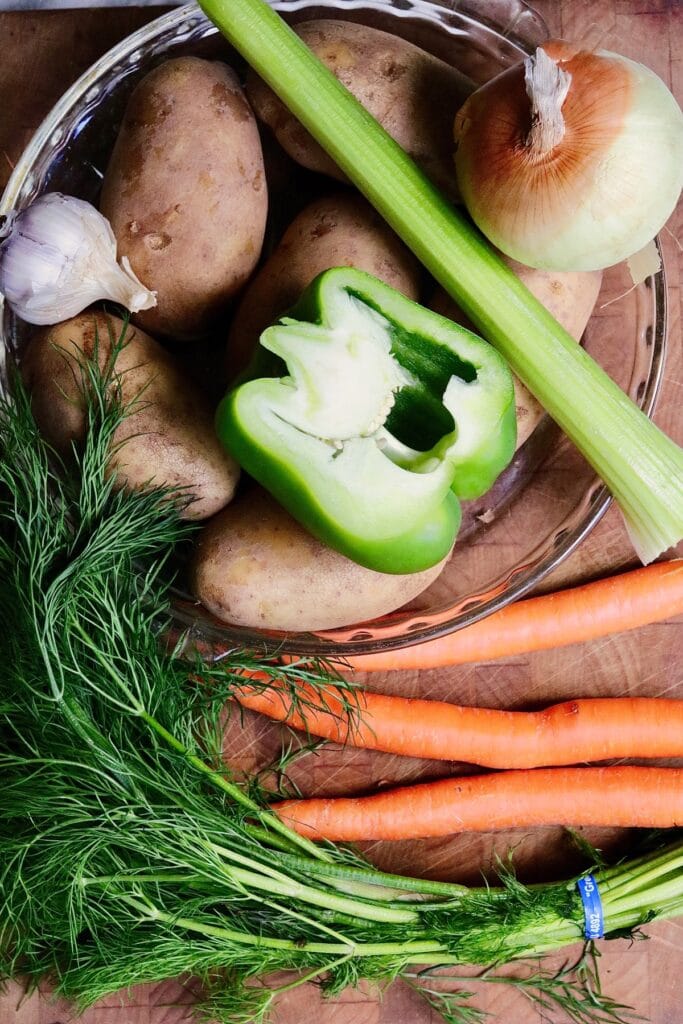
(376, 418)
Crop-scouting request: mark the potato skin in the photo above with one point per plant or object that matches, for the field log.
(412, 94)
(570, 296)
(341, 230)
(185, 193)
(169, 441)
(256, 566)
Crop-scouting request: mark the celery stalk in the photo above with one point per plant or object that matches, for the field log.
(642, 468)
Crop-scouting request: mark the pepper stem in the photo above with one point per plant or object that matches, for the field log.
(547, 86)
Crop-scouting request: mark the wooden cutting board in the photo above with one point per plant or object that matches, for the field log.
(42, 53)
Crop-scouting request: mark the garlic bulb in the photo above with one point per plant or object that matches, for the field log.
(59, 256)
(571, 160)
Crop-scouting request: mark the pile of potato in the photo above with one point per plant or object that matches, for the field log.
(186, 192)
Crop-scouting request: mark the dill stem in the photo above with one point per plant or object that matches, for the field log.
(215, 777)
(104, 664)
(356, 949)
(643, 874)
(105, 880)
(314, 923)
(631, 891)
(302, 979)
(375, 893)
(262, 835)
(642, 902)
(134, 879)
(318, 898)
(627, 919)
(238, 858)
(277, 882)
(233, 791)
(544, 937)
(632, 869)
(370, 877)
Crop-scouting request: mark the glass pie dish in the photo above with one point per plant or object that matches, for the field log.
(549, 499)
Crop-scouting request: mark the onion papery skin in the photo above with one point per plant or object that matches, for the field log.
(602, 193)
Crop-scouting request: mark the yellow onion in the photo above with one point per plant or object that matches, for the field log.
(572, 160)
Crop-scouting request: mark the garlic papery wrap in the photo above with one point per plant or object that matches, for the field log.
(59, 256)
(571, 160)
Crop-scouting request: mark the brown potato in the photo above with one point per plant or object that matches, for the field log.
(337, 231)
(256, 566)
(570, 296)
(169, 435)
(412, 94)
(185, 193)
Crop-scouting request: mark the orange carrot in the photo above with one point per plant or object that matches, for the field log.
(610, 605)
(622, 796)
(568, 733)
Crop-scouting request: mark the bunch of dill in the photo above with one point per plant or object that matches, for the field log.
(127, 853)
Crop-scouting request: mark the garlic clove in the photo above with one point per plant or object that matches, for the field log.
(142, 298)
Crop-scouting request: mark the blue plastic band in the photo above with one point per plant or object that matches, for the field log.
(594, 921)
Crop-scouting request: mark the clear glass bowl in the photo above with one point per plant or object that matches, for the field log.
(549, 498)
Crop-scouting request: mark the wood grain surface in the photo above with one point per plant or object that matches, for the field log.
(42, 54)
